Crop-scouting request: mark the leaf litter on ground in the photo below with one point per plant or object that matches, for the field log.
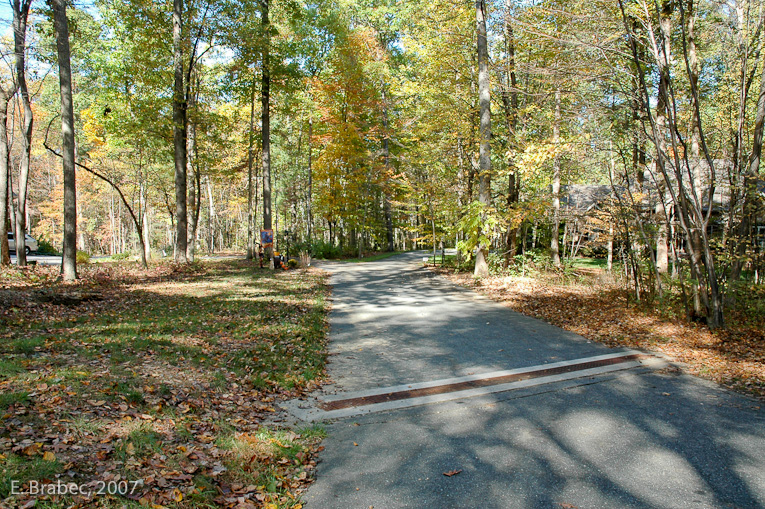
(165, 381)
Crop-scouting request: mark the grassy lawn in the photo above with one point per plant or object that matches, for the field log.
(159, 385)
(589, 263)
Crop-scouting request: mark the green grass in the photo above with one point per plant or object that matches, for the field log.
(168, 349)
(371, 258)
(313, 431)
(143, 441)
(589, 263)
(11, 398)
(81, 426)
(23, 469)
(441, 260)
(10, 368)
(27, 346)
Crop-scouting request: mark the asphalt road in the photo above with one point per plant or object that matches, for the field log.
(40, 259)
(641, 437)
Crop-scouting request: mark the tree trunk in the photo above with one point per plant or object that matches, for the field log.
(265, 99)
(5, 168)
(386, 191)
(250, 142)
(665, 24)
(179, 136)
(20, 16)
(210, 216)
(193, 177)
(310, 184)
(510, 103)
(146, 237)
(750, 185)
(484, 98)
(61, 23)
(694, 79)
(554, 237)
(142, 222)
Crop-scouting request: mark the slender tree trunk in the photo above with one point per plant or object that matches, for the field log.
(751, 175)
(20, 16)
(510, 102)
(146, 240)
(5, 168)
(265, 99)
(386, 191)
(665, 25)
(192, 178)
(179, 136)
(210, 216)
(694, 79)
(554, 237)
(484, 98)
(142, 222)
(250, 142)
(61, 23)
(310, 183)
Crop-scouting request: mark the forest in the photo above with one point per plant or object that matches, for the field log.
(627, 130)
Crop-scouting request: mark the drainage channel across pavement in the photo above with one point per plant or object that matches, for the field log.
(409, 395)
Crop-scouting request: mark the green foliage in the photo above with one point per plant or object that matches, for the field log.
(530, 263)
(478, 223)
(46, 248)
(326, 250)
(83, 257)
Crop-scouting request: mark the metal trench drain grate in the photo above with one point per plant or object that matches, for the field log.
(539, 372)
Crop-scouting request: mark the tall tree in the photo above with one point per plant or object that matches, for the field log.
(484, 95)
(554, 236)
(20, 18)
(265, 101)
(180, 154)
(250, 190)
(6, 93)
(61, 24)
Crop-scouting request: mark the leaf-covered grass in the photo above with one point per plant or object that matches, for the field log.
(167, 377)
(590, 302)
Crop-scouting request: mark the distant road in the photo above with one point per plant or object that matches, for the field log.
(40, 259)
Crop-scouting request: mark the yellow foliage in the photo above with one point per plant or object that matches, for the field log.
(94, 132)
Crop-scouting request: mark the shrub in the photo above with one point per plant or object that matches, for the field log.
(46, 248)
(292, 263)
(326, 250)
(83, 257)
(122, 256)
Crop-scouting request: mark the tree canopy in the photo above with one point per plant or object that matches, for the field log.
(350, 126)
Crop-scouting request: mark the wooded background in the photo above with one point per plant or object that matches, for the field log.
(630, 130)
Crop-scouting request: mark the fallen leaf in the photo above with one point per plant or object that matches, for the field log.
(49, 456)
(450, 473)
(32, 450)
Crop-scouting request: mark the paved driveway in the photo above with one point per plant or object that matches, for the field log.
(552, 420)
